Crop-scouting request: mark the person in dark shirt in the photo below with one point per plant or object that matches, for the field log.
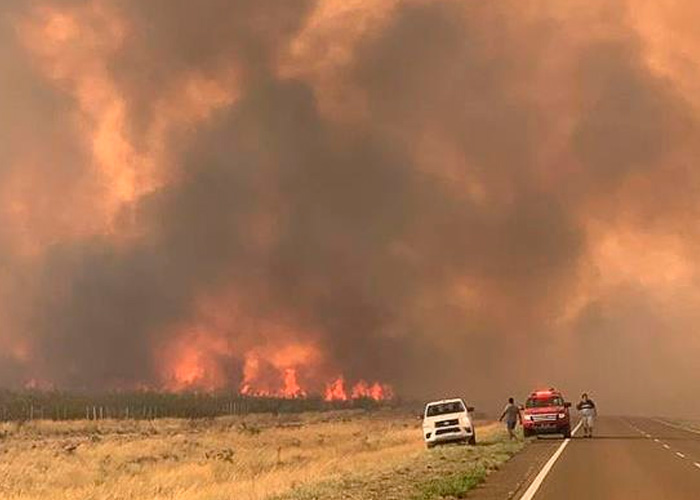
(588, 414)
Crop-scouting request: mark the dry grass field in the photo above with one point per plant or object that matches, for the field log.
(310, 456)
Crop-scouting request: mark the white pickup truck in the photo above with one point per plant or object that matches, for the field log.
(448, 420)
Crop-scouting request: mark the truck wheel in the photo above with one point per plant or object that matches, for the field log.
(567, 433)
(527, 433)
(472, 440)
(430, 445)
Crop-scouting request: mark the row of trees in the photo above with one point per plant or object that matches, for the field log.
(38, 405)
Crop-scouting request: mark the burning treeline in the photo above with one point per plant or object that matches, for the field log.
(339, 197)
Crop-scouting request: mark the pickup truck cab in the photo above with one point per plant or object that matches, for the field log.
(448, 420)
(546, 412)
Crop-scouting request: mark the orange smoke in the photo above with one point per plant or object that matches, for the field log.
(325, 47)
(73, 47)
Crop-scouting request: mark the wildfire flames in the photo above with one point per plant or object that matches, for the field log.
(289, 364)
(335, 391)
(193, 371)
(279, 377)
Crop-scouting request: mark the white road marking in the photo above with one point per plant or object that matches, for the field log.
(532, 490)
(674, 426)
(668, 424)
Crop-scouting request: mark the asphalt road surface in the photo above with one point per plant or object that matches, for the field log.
(627, 459)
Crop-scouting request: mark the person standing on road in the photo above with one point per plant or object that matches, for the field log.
(588, 413)
(511, 414)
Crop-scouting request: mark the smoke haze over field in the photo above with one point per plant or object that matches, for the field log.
(458, 196)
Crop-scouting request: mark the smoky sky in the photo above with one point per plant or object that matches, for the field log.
(497, 197)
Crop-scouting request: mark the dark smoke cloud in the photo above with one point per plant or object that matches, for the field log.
(433, 241)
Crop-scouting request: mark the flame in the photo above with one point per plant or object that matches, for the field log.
(193, 361)
(222, 347)
(336, 391)
(276, 372)
(376, 391)
(292, 389)
(289, 372)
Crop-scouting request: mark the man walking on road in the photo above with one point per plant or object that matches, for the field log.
(588, 413)
(511, 414)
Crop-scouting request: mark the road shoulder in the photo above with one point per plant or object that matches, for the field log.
(512, 479)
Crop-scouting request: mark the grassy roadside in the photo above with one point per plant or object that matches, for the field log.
(445, 472)
(353, 455)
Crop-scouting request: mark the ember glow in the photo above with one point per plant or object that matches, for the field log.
(351, 199)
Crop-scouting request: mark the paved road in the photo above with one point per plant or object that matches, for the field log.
(629, 459)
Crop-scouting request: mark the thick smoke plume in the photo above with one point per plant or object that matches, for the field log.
(450, 197)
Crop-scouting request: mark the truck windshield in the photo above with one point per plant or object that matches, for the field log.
(544, 402)
(445, 408)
